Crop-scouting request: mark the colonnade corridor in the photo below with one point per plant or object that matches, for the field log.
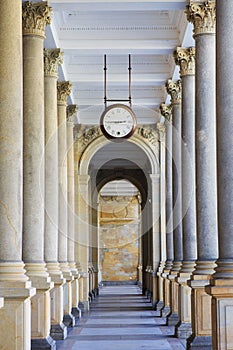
(121, 318)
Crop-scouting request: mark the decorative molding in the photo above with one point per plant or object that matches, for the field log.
(117, 28)
(63, 91)
(85, 135)
(174, 89)
(52, 59)
(166, 111)
(148, 133)
(161, 127)
(185, 58)
(71, 110)
(36, 15)
(203, 16)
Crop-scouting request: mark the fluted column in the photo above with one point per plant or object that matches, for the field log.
(14, 284)
(175, 90)
(202, 15)
(162, 138)
(166, 111)
(222, 283)
(71, 111)
(35, 17)
(52, 59)
(185, 58)
(63, 91)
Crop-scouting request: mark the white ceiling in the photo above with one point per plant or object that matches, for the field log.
(149, 31)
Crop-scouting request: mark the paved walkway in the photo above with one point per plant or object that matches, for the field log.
(120, 318)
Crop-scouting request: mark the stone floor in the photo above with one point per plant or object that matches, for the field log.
(120, 318)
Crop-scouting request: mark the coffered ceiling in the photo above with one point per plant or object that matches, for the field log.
(149, 31)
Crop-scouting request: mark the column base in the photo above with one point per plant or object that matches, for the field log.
(199, 343)
(58, 331)
(165, 311)
(43, 344)
(159, 305)
(183, 330)
(172, 319)
(83, 306)
(69, 320)
(76, 312)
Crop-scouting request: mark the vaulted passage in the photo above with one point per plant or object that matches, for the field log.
(121, 318)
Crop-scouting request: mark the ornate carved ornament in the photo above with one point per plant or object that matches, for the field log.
(166, 111)
(36, 15)
(148, 133)
(174, 88)
(185, 58)
(63, 91)
(71, 110)
(52, 59)
(203, 16)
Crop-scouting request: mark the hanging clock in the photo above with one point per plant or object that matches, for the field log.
(118, 121)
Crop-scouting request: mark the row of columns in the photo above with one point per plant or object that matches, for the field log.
(197, 278)
(39, 279)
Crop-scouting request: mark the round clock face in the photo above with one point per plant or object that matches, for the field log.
(118, 121)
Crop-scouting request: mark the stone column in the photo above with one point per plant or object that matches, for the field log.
(52, 59)
(174, 89)
(202, 15)
(71, 111)
(185, 58)
(82, 212)
(14, 284)
(63, 91)
(166, 111)
(221, 287)
(155, 191)
(35, 17)
(162, 130)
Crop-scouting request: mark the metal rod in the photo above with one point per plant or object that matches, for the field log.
(130, 81)
(105, 79)
(111, 100)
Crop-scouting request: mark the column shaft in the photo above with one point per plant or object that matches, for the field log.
(202, 14)
(221, 288)
(14, 285)
(35, 17)
(185, 58)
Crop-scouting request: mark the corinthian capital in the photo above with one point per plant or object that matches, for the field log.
(36, 15)
(203, 16)
(63, 91)
(174, 89)
(52, 59)
(71, 110)
(166, 111)
(185, 58)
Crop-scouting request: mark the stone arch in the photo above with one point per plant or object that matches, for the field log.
(97, 143)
